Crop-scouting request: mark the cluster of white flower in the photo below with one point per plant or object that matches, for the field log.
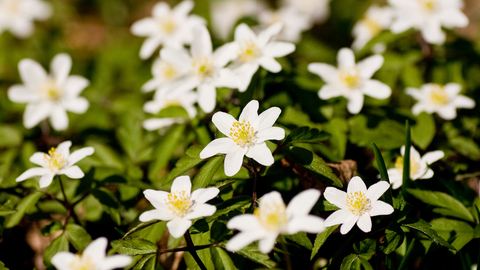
(17, 16)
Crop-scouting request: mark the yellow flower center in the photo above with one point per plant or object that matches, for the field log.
(242, 133)
(168, 71)
(172, 103)
(372, 26)
(438, 95)
(168, 25)
(82, 263)
(358, 203)
(203, 67)
(51, 90)
(272, 216)
(179, 203)
(414, 165)
(54, 161)
(249, 51)
(428, 5)
(350, 77)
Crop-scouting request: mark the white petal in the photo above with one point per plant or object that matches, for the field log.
(182, 183)
(62, 260)
(278, 49)
(267, 118)
(46, 179)
(266, 245)
(452, 89)
(376, 190)
(432, 32)
(144, 27)
(356, 184)
(273, 133)
(60, 67)
(207, 95)
(376, 89)
(245, 74)
(74, 85)
(309, 224)
(348, 224)
(327, 72)
(157, 123)
(463, 102)
(270, 64)
(202, 43)
(217, 146)
(427, 175)
(365, 223)
(431, 157)
(249, 112)
(116, 261)
(415, 93)
(31, 173)
(176, 57)
(234, 160)
(261, 154)
(96, 250)
(223, 122)
(203, 195)
(202, 210)
(355, 103)
(227, 78)
(265, 36)
(447, 112)
(328, 92)
(418, 108)
(224, 54)
(183, 8)
(245, 222)
(38, 158)
(22, 28)
(396, 179)
(336, 197)
(370, 65)
(157, 198)
(36, 112)
(243, 32)
(178, 226)
(32, 73)
(380, 208)
(156, 215)
(338, 217)
(345, 58)
(77, 105)
(149, 46)
(64, 148)
(80, 154)
(303, 203)
(242, 240)
(161, 9)
(73, 172)
(59, 118)
(454, 18)
(20, 94)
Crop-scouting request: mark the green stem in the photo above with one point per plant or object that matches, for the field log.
(192, 250)
(288, 262)
(63, 192)
(403, 264)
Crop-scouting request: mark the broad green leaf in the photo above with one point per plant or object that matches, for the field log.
(58, 244)
(306, 135)
(141, 226)
(51, 228)
(134, 246)
(188, 161)
(146, 263)
(394, 237)
(386, 133)
(466, 147)
(206, 172)
(24, 205)
(302, 239)
(251, 252)
(334, 149)
(321, 238)
(424, 130)
(460, 232)
(2, 266)
(109, 203)
(365, 248)
(221, 259)
(105, 156)
(78, 236)
(350, 262)
(173, 112)
(313, 163)
(10, 136)
(387, 196)
(425, 228)
(449, 205)
(366, 265)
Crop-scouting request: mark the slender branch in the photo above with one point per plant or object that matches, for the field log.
(63, 192)
(255, 177)
(288, 262)
(192, 251)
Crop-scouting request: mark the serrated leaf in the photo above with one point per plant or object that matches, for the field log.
(458, 232)
(221, 259)
(251, 252)
(24, 205)
(425, 228)
(78, 236)
(306, 135)
(58, 244)
(134, 246)
(450, 205)
(206, 172)
(321, 238)
(313, 163)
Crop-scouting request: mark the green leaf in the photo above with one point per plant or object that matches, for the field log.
(321, 238)
(5, 210)
(387, 196)
(349, 262)
(78, 236)
(313, 163)
(251, 252)
(302, 239)
(58, 244)
(204, 254)
(365, 248)
(449, 205)
(221, 260)
(188, 161)
(224, 184)
(394, 237)
(306, 135)
(235, 203)
(173, 112)
(457, 232)
(24, 205)
(366, 265)
(206, 172)
(10, 136)
(466, 147)
(51, 228)
(386, 133)
(146, 263)
(109, 203)
(2, 266)
(406, 160)
(141, 226)
(424, 130)
(425, 228)
(134, 246)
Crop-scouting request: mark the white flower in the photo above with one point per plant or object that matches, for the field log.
(17, 16)
(93, 258)
(428, 16)
(205, 69)
(172, 28)
(376, 19)
(58, 161)
(164, 73)
(162, 100)
(49, 96)
(418, 166)
(294, 22)
(179, 206)
(254, 51)
(245, 137)
(444, 100)
(357, 205)
(316, 10)
(351, 80)
(272, 218)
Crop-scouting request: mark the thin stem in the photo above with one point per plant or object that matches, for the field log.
(288, 262)
(63, 192)
(187, 248)
(192, 250)
(255, 176)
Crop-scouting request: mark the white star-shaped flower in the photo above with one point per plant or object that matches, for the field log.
(179, 206)
(273, 218)
(357, 205)
(245, 137)
(254, 51)
(17, 16)
(164, 73)
(56, 162)
(170, 27)
(428, 16)
(49, 96)
(315, 10)
(205, 68)
(93, 258)
(294, 22)
(418, 166)
(351, 80)
(376, 19)
(444, 100)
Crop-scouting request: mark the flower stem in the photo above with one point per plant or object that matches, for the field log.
(254, 171)
(288, 262)
(63, 192)
(192, 250)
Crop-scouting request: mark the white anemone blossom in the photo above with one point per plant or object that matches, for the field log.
(179, 206)
(17, 16)
(170, 27)
(162, 100)
(205, 68)
(294, 22)
(428, 16)
(164, 73)
(245, 137)
(57, 161)
(444, 100)
(93, 257)
(273, 218)
(351, 80)
(49, 96)
(315, 10)
(376, 20)
(357, 205)
(254, 51)
(418, 166)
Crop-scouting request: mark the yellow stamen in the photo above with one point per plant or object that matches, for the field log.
(414, 165)
(272, 216)
(50, 90)
(438, 95)
(249, 51)
(203, 67)
(350, 77)
(54, 161)
(179, 203)
(172, 103)
(358, 203)
(168, 25)
(242, 133)
(168, 71)
(428, 5)
(372, 26)
(82, 263)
